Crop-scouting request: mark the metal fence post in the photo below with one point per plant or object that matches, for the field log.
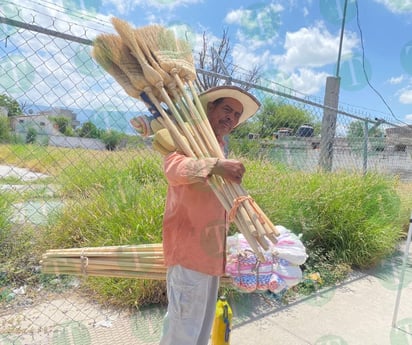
(365, 147)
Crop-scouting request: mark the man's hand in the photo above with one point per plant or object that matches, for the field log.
(229, 169)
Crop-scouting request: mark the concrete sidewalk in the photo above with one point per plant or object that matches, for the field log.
(359, 311)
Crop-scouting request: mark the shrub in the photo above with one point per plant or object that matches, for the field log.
(31, 136)
(353, 217)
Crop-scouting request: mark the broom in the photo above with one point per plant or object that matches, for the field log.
(163, 50)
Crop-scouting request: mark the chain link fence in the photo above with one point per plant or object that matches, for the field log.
(65, 96)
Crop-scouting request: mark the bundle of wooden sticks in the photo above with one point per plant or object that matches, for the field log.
(144, 261)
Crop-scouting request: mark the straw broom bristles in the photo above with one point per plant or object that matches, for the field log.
(174, 53)
(126, 33)
(143, 54)
(168, 81)
(166, 78)
(114, 56)
(101, 53)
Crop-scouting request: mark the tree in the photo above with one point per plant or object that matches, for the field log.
(274, 116)
(217, 58)
(357, 130)
(112, 139)
(356, 136)
(244, 129)
(31, 136)
(24, 106)
(63, 124)
(89, 130)
(11, 104)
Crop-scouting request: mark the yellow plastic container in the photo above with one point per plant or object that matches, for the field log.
(222, 324)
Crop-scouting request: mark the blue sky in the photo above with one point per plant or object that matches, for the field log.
(295, 42)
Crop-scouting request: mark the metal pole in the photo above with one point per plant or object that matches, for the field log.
(45, 31)
(341, 37)
(402, 276)
(365, 147)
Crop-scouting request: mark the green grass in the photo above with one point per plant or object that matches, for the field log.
(356, 218)
(116, 198)
(109, 204)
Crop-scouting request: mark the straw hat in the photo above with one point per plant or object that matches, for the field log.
(249, 102)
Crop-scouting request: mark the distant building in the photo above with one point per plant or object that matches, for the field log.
(400, 138)
(41, 123)
(60, 112)
(403, 131)
(47, 132)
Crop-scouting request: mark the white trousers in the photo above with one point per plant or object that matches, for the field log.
(191, 307)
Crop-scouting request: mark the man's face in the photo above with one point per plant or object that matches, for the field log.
(224, 115)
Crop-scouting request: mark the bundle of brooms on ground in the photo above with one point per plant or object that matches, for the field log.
(155, 67)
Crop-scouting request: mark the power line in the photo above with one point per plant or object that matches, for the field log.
(364, 69)
(342, 30)
(79, 14)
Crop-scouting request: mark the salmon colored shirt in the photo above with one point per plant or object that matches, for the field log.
(194, 224)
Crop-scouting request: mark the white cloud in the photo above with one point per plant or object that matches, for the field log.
(408, 117)
(308, 81)
(397, 6)
(306, 50)
(246, 58)
(405, 96)
(396, 80)
(258, 25)
(236, 16)
(313, 47)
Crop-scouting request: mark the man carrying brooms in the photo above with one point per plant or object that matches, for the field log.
(195, 223)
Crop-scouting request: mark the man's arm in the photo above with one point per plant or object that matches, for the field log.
(180, 169)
